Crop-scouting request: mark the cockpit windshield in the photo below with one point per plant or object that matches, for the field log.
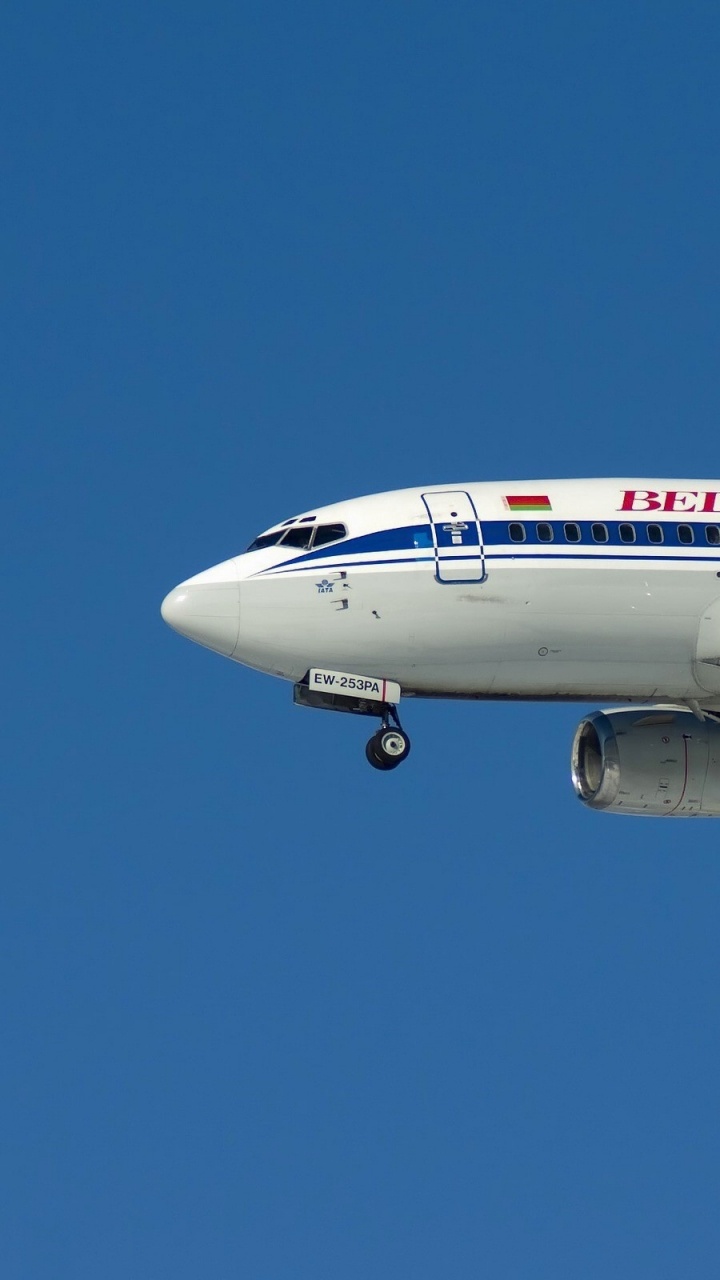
(326, 533)
(301, 537)
(266, 540)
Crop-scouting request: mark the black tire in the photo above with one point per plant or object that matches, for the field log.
(387, 748)
(374, 758)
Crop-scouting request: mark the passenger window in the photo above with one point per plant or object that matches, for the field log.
(712, 535)
(329, 533)
(544, 532)
(298, 537)
(517, 532)
(600, 533)
(627, 532)
(572, 532)
(266, 540)
(655, 533)
(685, 534)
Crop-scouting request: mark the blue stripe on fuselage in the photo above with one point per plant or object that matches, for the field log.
(496, 533)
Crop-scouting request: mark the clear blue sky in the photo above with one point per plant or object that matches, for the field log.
(264, 1012)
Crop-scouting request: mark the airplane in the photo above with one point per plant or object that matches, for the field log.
(599, 590)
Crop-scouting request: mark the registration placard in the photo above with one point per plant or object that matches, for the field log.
(352, 686)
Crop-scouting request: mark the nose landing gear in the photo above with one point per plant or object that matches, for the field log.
(388, 747)
(361, 696)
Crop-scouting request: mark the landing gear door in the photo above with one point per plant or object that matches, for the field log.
(457, 536)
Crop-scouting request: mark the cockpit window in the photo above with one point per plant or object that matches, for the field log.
(329, 533)
(266, 540)
(301, 536)
(298, 537)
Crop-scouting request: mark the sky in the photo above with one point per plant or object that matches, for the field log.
(264, 1011)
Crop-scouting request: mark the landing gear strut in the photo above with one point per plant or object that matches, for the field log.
(390, 745)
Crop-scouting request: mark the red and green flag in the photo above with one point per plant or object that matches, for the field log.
(528, 502)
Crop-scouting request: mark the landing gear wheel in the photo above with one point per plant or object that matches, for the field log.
(388, 748)
(377, 761)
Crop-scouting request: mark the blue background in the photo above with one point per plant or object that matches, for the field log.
(265, 1012)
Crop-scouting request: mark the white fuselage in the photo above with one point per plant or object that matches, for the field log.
(544, 589)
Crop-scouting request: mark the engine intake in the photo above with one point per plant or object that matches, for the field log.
(648, 761)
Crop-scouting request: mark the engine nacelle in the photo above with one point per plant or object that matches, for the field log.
(648, 761)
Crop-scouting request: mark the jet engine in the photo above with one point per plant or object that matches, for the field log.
(648, 761)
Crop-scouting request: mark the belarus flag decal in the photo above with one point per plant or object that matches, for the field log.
(528, 502)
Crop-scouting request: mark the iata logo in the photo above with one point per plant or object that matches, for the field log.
(670, 500)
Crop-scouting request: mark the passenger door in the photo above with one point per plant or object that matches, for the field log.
(457, 536)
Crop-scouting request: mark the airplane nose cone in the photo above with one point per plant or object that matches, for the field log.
(206, 609)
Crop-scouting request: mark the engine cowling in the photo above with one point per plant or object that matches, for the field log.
(648, 761)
